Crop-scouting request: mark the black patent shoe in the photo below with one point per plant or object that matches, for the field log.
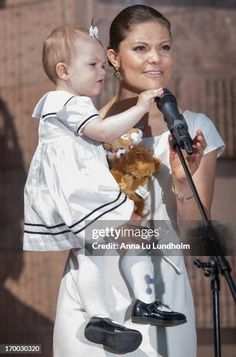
(116, 338)
(157, 314)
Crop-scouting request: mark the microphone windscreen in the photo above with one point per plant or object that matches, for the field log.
(166, 97)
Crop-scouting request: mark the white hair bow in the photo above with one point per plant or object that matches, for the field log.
(93, 32)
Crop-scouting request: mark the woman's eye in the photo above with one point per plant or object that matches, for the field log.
(139, 48)
(166, 47)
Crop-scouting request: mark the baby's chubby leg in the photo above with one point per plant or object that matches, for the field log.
(138, 269)
(101, 329)
(91, 283)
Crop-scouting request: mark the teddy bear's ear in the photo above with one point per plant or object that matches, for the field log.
(157, 164)
(107, 146)
(122, 142)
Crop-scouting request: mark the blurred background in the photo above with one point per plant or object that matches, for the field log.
(204, 80)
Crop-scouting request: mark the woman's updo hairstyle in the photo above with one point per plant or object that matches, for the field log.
(131, 16)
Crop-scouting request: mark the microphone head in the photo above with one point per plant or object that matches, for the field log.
(166, 97)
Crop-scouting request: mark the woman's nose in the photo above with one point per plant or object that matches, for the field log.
(154, 56)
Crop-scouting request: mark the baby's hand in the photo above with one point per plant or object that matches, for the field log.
(147, 98)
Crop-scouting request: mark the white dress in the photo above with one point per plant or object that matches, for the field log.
(171, 279)
(69, 184)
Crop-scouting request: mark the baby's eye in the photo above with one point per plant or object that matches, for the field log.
(93, 64)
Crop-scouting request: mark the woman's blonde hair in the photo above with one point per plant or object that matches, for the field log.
(59, 46)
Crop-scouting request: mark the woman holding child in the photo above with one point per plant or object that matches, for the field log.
(140, 50)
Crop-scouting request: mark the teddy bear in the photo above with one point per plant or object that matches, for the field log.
(132, 165)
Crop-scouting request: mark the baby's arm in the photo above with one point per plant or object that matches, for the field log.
(117, 125)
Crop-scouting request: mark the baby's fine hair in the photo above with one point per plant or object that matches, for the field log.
(131, 16)
(59, 46)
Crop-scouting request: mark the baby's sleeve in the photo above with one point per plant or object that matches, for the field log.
(77, 113)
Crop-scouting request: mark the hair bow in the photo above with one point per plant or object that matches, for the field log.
(93, 32)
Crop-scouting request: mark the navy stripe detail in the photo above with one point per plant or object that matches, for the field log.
(48, 233)
(45, 115)
(96, 209)
(91, 116)
(74, 224)
(73, 96)
(80, 230)
(42, 225)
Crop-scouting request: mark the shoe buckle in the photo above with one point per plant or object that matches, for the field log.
(151, 307)
(155, 305)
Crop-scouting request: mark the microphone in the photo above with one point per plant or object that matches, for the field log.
(176, 123)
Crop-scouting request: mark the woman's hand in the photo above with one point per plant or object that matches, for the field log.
(193, 161)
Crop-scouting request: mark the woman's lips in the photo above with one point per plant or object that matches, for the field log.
(153, 73)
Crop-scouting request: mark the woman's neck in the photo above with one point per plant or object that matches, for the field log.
(152, 123)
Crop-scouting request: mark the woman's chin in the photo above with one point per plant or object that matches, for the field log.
(154, 83)
(148, 84)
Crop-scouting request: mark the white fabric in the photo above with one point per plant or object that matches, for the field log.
(171, 279)
(73, 111)
(92, 284)
(69, 181)
(137, 272)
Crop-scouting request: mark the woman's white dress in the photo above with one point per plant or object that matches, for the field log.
(171, 280)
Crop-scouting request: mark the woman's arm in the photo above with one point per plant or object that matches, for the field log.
(202, 168)
(204, 179)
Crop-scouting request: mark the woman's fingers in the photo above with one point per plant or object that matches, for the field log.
(171, 141)
(193, 161)
(199, 143)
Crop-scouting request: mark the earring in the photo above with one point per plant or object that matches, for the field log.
(117, 73)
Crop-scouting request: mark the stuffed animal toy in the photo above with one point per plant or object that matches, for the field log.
(132, 165)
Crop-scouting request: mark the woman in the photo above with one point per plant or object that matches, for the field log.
(141, 53)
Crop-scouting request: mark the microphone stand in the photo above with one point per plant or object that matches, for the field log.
(217, 263)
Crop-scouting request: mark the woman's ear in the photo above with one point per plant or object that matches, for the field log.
(62, 71)
(113, 58)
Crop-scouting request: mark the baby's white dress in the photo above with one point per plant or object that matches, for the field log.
(69, 184)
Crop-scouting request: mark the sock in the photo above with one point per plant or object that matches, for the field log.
(91, 284)
(138, 270)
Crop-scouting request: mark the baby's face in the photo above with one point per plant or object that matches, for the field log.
(87, 68)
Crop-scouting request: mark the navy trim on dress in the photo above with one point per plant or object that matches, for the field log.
(73, 96)
(78, 222)
(48, 114)
(43, 225)
(46, 233)
(96, 209)
(80, 230)
(45, 115)
(85, 121)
